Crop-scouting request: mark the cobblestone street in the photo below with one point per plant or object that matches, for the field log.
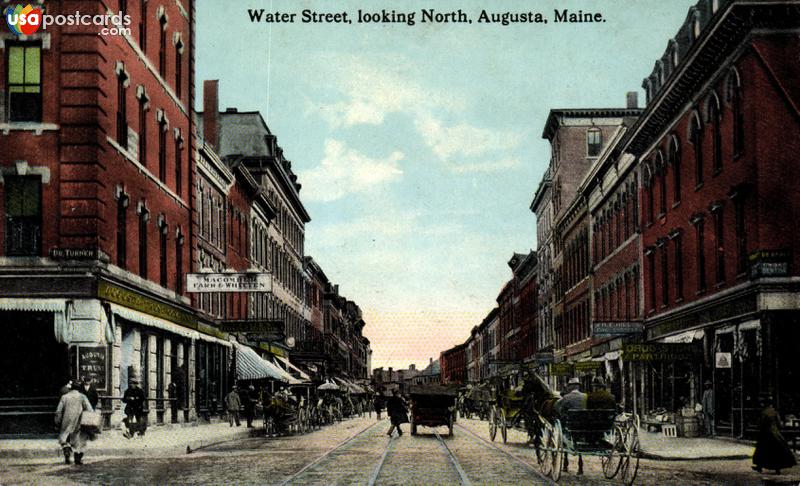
(357, 451)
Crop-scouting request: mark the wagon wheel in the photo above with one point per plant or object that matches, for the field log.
(493, 423)
(612, 460)
(543, 450)
(503, 425)
(557, 450)
(630, 460)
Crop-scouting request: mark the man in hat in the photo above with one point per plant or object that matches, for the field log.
(707, 403)
(135, 418)
(574, 399)
(600, 398)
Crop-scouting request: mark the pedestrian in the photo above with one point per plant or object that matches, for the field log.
(574, 399)
(90, 391)
(232, 405)
(707, 403)
(378, 403)
(600, 398)
(398, 412)
(135, 419)
(249, 399)
(68, 420)
(772, 451)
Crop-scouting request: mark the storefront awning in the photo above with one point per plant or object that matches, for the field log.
(684, 337)
(298, 373)
(251, 366)
(285, 375)
(152, 321)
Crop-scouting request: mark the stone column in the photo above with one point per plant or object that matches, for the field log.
(152, 378)
(191, 384)
(168, 404)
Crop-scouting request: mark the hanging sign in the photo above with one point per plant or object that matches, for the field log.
(228, 282)
(616, 328)
(93, 364)
(723, 360)
(588, 365)
(561, 369)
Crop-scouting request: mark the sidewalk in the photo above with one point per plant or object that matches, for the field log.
(159, 440)
(656, 446)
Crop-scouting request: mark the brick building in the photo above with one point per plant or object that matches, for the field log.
(453, 364)
(718, 218)
(96, 154)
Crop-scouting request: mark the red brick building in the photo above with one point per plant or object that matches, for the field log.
(719, 214)
(453, 364)
(97, 161)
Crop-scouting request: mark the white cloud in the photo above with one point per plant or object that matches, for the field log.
(463, 139)
(345, 171)
(489, 165)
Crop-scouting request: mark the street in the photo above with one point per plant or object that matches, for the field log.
(357, 451)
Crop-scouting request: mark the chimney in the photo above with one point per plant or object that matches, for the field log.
(211, 112)
(430, 361)
(632, 99)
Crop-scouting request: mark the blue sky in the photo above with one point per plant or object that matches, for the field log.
(419, 147)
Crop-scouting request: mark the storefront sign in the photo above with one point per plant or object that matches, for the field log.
(561, 369)
(74, 253)
(544, 357)
(273, 349)
(135, 301)
(661, 352)
(229, 282)
(723, 360)
(616, 328)
(588, 365)
(769, 263)
(93, 364)
(255, 326)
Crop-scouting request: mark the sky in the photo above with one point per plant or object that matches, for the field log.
(419, 148)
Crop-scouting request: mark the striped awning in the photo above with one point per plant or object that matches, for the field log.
(251, 366)
(293, 370)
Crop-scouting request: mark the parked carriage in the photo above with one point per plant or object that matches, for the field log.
(614, 438)
(475, 400)
(284, 413)
(432, 406)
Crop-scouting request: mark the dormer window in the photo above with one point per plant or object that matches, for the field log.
(594, 142)
(674, 58)
(696, 28)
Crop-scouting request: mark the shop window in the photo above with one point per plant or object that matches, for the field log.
(24, 82)
(23, 233)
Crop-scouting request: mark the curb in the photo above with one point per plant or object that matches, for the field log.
(728, 457)
(139, 451)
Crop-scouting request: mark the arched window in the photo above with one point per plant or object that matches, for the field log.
(696, 139)
(735, 99)
(714, 118)
(661, 173)
(674, 160)
(594, 142)
(647, 176)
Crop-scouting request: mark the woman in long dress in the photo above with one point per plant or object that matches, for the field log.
(772, 451)
(68, 418)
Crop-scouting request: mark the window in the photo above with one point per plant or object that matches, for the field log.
(700, 252)
(179, 68)
(664, 273)
(594, 142)
(678, 245)
(741, 235)
(122, 110)
(122, 230)
(143, 25)
(123, 6)
(162, 46)
(162, 149)
(23, 215)
(651, 267)
(144, 216)
(714, 119)
(24, 83)
(696, 138)
(163, 229)
(650, 199)
(738, 115)
(674, 159)
(661, 170)
(719, 243)
(179, 165)
(143, 131)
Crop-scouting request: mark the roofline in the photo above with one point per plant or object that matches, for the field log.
(552, 118)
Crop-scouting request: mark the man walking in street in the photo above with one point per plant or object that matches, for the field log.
(708, 408)
(398, 413)
(232, 405)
